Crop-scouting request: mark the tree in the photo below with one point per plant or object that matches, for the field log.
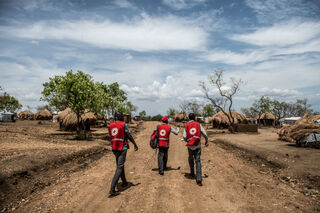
(208, 110)
(279, 109)
(117, 98)
(171, 112)
(301, 107)
(250, 112)
(142, 114)
(183, 106)
(224, 99)
(76, 90)
(194, 107)
(52, 93)
(131, 108)
(8, 103)
(261, 106)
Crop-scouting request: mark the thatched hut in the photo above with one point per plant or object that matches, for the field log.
(266, 119)
(44, 114)
(301, 129)
(26, 115)
(182, 116)
(68, 120)
(220, 120)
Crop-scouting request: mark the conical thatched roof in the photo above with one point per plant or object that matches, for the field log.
(221, 118)
(68, 119)
(44, 114)
(181, 117)
(301, 129)
(26, 114)
(267, 115)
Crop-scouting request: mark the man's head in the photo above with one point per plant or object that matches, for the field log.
(118, 116)
(192, 116)
(164, 119)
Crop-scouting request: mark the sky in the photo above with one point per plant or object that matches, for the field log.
(159, 51)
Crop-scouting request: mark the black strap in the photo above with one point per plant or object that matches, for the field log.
(157, 136)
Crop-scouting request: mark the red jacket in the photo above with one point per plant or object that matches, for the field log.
(163, 134)
(117, 136)
(193, 133)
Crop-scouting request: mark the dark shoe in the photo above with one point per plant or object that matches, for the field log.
(199, 183)
(190, 176)
(113, 193)
(161, 173)
(125, 184)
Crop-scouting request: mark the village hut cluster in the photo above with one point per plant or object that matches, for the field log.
(305, 130)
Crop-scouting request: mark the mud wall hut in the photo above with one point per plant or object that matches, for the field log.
(267, 119)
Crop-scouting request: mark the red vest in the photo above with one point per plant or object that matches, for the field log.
(163, 134)
(193, 133)
(116, 132)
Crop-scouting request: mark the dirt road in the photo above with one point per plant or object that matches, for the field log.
(230, 184)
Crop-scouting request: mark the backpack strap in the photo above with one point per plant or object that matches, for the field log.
(157, 136)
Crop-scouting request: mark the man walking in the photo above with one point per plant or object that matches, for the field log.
(192, 134)
(119, 135)
(163, 134)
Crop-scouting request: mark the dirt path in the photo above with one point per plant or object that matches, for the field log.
(230, 185)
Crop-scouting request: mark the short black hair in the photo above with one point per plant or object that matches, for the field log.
(118, 116)
(192, 116)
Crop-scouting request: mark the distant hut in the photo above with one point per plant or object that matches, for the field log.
(26, 115)
(267, 119)
(68, 120)
(180, 117)
(127, 118)
(220, 120)
(44, 114)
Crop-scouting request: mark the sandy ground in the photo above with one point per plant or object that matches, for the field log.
(231, 183)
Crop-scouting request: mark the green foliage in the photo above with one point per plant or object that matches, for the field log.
(117, 99)
(9, 103)
(279, 109)
(142, 114)
(171, 112)
(156, 117)
(208, 110)
(262, 105)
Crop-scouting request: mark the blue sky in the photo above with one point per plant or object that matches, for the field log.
(159, 50)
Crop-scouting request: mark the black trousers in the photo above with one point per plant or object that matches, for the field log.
(162, 158)
(120, 160)
(194, 155)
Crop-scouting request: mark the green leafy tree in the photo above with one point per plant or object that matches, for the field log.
(156, 117)
(75, 89)
(279, 109)
(118, 99)
(8, 103)
(250, 112)
(262, 105)
(131, 108)
(208, 110)
(52, 93)
(142, 114)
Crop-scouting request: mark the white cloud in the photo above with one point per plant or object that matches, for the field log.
(182, 4)
(141, 34)
(270, 11)
(281, 34)
(123, 4)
